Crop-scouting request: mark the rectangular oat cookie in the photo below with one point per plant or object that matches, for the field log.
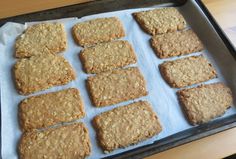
(126, 125)
(98, 30)
(71, 141)
(159, 21)
(176, 44)
(116, 86)
(49, 109)
(187, 71)
(38, 73)
(43, 38)
(107, 56)
(205, 102)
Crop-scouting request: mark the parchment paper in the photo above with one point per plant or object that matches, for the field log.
(161, 96)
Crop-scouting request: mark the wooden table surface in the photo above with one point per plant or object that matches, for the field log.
(213, 147)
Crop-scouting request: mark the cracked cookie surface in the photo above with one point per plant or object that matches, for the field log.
(41, 39)
(39, 73)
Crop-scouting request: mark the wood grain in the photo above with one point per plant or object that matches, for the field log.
(216, 146)
(10, 8)
(213, 147)
(224, 12)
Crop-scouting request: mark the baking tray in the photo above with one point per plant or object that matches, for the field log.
(95, 7)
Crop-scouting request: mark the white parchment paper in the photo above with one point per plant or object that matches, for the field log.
(161, 96)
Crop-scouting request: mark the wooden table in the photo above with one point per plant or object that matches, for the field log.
(213, 147)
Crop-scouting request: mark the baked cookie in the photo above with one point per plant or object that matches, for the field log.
(42, 72)
(176, 44)
(126, 125)
(107, 56)
(116, 86)
(205, 102)
(41, 39)
(159, 21)
(187, 71)
(98, 30)
(49, 109)
(71, 141)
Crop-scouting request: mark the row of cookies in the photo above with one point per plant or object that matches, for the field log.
(113, 84)
(169, 39)
(39, 68)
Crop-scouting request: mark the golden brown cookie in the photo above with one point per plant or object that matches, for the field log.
(126, 125)
(49, 109)
(41, 39)
(187, 71)
(107, 56)
(205, 102)
(158, 21)
(176, 44)
(42, 72)
(96, 31)
(71, 141)
(116, 86)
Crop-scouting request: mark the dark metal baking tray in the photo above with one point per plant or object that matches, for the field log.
(99, 6)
